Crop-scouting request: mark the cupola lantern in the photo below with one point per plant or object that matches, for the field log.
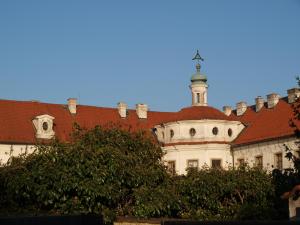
(198, 84)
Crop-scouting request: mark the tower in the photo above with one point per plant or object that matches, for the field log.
(198, 85)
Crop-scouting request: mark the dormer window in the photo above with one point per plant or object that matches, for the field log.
(44, 126)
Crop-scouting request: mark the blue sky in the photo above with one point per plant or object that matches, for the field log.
(103, 52)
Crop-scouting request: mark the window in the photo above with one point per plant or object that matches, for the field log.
(192, 132)
(198, 98)
(229, 132)
(241, 162)
(216, 163)
(192, 163)
(171, 167)
(45, 126)
(171, 133)
(259, 161)
(215, 130)
(278, 161)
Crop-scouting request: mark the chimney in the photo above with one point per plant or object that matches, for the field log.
(72, 104)
(293, 94)
(259, 103)
(141, 111)
(227, 110)
(272, 99)
(122, 109)
(241, 108)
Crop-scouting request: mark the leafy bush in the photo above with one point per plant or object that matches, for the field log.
(235, 194)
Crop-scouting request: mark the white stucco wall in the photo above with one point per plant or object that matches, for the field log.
(293, 204)
(207, 146)
(8, 150)
(203, 131)
(204, 153)
(267, 150)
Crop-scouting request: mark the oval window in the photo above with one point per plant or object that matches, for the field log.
(229, 132)
(215, 130)
(45, 126)
(192, 132)
(171, 133)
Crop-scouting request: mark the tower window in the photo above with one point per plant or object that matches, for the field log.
(198, 97)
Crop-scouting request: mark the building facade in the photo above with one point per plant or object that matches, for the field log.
(196, 136)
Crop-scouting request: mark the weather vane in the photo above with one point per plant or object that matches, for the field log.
(198, 57)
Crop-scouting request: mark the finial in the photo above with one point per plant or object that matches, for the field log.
(198, 58)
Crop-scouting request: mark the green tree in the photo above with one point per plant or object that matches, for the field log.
(102, 170)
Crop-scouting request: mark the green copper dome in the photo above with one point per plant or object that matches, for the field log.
(198, 77)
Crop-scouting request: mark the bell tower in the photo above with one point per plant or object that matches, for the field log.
(198, 84)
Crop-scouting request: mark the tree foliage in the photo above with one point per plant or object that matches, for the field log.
(99, 172)
(236, 194)
(113, 171)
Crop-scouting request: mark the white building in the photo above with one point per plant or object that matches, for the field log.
(196, 136)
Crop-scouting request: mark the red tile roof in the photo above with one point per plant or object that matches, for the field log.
(16, 120)
(267, 124)
(199, 113)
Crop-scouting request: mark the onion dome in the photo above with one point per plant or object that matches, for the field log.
(198, 77)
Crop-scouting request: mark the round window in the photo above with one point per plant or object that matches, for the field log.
(171, 133)
(229, 132)
(192, 132)
(45, 126)
(215, 130)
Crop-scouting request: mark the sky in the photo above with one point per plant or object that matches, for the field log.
(138, 51)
